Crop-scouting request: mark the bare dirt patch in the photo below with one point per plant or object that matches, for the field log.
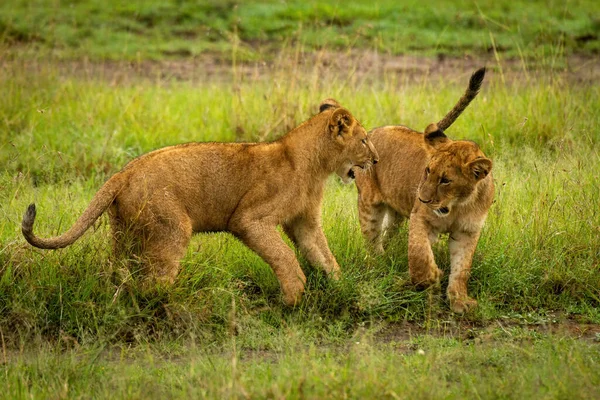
(478, 332)
(360, 64)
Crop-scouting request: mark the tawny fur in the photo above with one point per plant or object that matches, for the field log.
(161, 198)
(442, 186)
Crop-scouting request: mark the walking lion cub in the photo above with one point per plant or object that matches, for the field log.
(163, 197)
(441, 185)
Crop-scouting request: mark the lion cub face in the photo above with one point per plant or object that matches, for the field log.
(453, 172)
(355, 146)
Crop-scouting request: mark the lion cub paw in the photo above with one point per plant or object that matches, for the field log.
(378, 250)
(463, 305)
(431, 278)
(292, 299)
(335, 274)
(153, 283)
(292, 293)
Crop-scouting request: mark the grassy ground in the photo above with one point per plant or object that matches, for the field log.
(113, 29)
(536, 264)
(425, 368)
(73, 325)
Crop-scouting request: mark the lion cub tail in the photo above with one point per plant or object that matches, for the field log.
(471, 92)
(101, 201)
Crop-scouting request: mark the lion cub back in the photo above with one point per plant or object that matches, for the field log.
(203, 180)
(396, 180)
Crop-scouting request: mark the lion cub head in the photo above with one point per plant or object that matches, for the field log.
(453, 173)
(356, 149)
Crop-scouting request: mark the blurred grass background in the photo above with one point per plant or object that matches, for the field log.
(113, 29)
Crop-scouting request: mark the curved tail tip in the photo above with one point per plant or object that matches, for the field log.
(477, 79)
(29, 217)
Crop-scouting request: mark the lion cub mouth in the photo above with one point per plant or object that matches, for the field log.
(347, 172)
(442, 212)
(364, 167)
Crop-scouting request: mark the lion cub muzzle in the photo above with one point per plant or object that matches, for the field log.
(438, 211)
(364, 159)
(442, 211)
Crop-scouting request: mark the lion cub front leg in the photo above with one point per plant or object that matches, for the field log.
(266, 241)
(462, 247)
(423, 270)
(307, 234)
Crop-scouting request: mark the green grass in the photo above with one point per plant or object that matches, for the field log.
(537, 260)
(533, 367)
(75, 325)
(539, 251)
(173, 29)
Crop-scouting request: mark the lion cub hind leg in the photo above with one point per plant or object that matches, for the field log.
(126, 246)
(391, 222)
(164, 245)
(462, 247)
(423, 270)
(371, 217)
(266, 241)
(123, 242)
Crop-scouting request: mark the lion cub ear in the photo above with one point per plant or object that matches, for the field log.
(327, 104)
(340, 123)
(479, 168)
(434, 136)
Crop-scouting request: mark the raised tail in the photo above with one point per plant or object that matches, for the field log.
(471, 92)
(101, 201)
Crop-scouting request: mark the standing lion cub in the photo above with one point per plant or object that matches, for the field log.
(163, 197)
(441, 185)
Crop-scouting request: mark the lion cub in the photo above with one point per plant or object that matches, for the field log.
(163, 197)
(441, 185)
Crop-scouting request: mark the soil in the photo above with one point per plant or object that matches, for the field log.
(556, 325)
(359, 64)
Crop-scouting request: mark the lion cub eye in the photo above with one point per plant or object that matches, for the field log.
(427, 170)
(364, 142)
(444, 180)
